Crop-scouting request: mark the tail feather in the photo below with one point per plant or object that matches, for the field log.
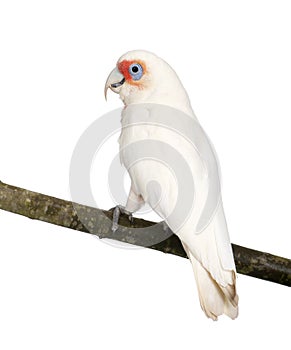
(215, 299)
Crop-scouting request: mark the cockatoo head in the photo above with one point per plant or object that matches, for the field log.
(142, 77)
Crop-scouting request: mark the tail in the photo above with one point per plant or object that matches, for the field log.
(212, 259)
(215, 299)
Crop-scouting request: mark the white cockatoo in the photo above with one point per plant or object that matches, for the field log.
(162, 143)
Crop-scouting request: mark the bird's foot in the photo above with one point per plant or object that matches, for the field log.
(166, 228)
(119, 209)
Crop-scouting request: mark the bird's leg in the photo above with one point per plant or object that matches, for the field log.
(119, 209)
(166, 229)
(134, 202)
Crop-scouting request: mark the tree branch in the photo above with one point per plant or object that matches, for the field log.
(98, 222)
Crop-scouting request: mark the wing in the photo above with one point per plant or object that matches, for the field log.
(174, 168)
(167, 151)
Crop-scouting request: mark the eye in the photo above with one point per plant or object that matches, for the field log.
(136, 71)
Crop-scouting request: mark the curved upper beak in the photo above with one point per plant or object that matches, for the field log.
(114, 82)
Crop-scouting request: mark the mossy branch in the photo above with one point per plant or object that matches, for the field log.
(95, 221)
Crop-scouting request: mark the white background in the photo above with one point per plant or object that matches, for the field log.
(62, 289)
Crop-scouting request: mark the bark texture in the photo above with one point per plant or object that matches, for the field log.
(98, 222)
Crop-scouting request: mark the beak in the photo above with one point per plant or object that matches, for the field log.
(114, 82)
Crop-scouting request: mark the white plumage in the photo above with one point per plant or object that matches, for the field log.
(158, 115)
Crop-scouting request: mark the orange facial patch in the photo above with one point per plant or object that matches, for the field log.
(123, 68)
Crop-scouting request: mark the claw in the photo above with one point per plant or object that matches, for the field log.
(119, 209)
(166, 228)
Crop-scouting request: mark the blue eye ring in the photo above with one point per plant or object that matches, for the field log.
(136, 71)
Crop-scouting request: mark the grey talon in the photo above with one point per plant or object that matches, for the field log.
(166, 228)
(119, 209)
